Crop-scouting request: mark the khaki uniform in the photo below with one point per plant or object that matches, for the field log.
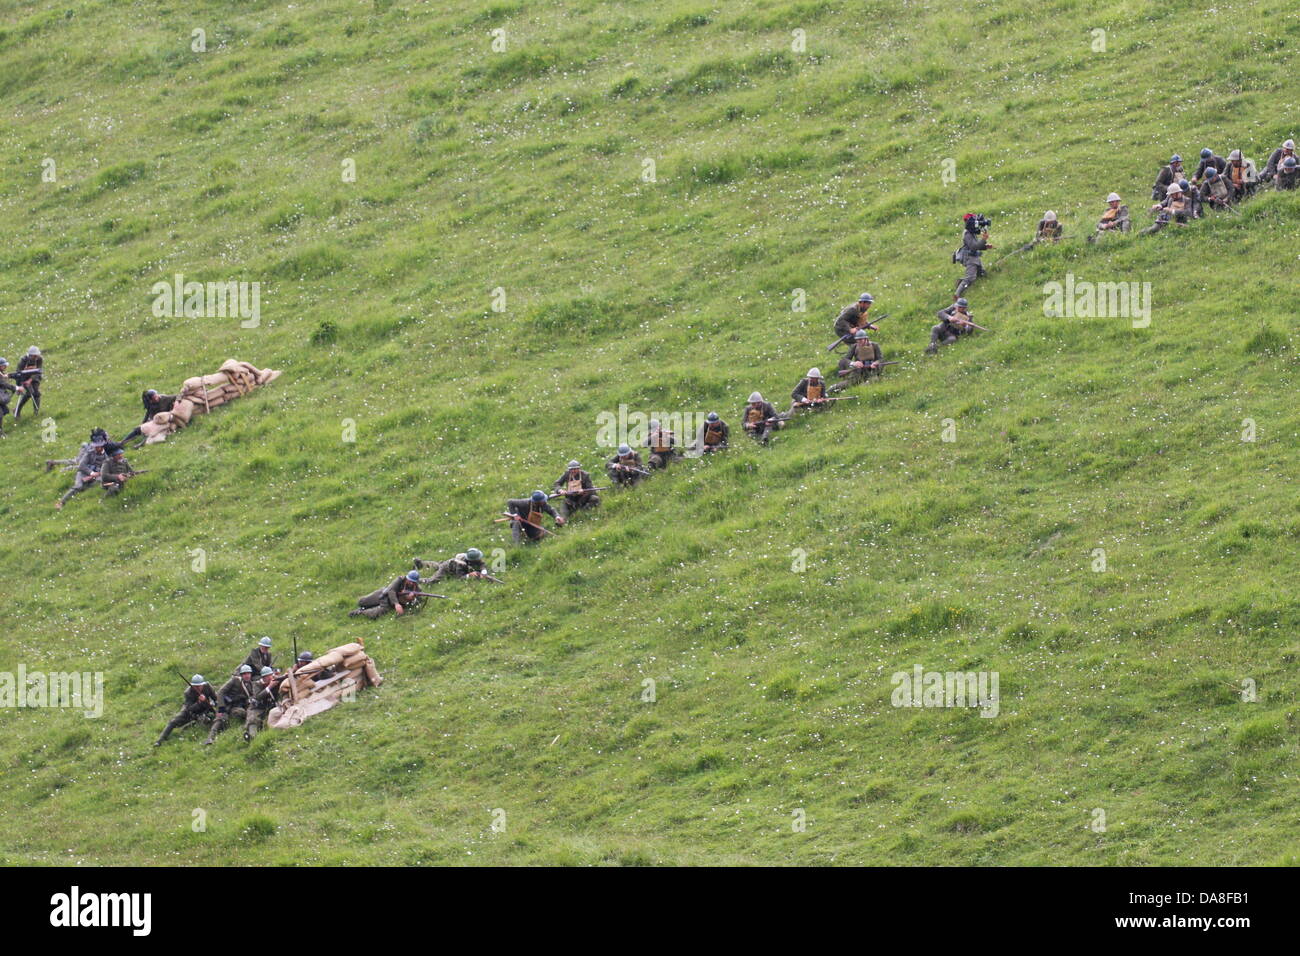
(864, 351)
(1176, 208)
(619, 468)
(1167, 176)
(947, 331)
(581, 482)
(264, 700)
(114, 475)
(378, 603)
(232, 701)
(192, 709)
(258, 658)
(456, 567)
(809, 390)
(761, 420)
(851, 318)
(712, 436)
(531, 511)
(663, 446)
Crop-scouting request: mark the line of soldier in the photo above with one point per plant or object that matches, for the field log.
(249, 695)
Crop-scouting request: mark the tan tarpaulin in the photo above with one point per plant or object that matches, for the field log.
(201, 394)
(303, 696)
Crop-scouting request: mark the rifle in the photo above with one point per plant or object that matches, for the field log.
(426, 594)
(639, 471)
(506, 515)
(132, 474)
(850, 371)
(954, 320)
(810, 403)
(580, 491)
(211, 703)
(847, 336)
(484, 574)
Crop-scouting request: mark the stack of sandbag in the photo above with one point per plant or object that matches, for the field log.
(202, 393)
(306, 692)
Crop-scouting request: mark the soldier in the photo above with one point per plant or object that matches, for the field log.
(1278, 156)
(526, 520)
(232, 699)
(662, 445)
(1288, 173)
(712, 436)
(1049, 230)
(97, 437)
(1208, 161)
(625, 467)
(397, 597)
(575, 490)
(1193, 197)
(760, 418)
(31, 368)
(153, 404)
(854, 317)
(1167, 176)
(1241, 174)
(264, 699)
(7, 392)
(1174, 207)
(467, 564)
(974, 241)
(1114, 219)
(955, 320)
(259, 656)
(810, 392)
(861, 363)
(199, 704)
(89, 465)
(1215, 191)
(115, 472)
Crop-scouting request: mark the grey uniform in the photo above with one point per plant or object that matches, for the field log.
(949, 327)
(575, 502)
(761, 420)
(89, 462)
(973, 245)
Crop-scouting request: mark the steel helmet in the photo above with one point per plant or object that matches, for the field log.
(33, 351)
(654, 424)
(264, 642)
(814, 373)
(711, 417)
(1211, 173)
(755, 397)
(962, 303)
(1174, 188)
(1049, 216)
(1207, 153)
(197, 680)
(413, 576)
(1113, 197)
(474, 554)
(860, 334)
(4, 363)
(1235, 156)
(267, 672)
(1184, 185)
(245, 669)
(305, 657)
(538, 495)
(1290, 162)
(1175, 159)
(625, 449)
(1289, 144)
(574, 464)
(866, 297)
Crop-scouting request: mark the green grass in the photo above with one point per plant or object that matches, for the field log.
(774, 171)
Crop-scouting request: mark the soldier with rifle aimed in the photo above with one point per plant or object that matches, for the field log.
(854, 317)
(954, 321)
(575, 490)
(199, 705)
(265, 698)
(31, 370)
(397, 597)
(467, 564)
(625, 467)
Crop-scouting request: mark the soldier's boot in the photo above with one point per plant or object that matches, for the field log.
(172, 724)
(218, 726)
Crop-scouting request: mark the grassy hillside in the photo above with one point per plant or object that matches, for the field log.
(526, 170)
